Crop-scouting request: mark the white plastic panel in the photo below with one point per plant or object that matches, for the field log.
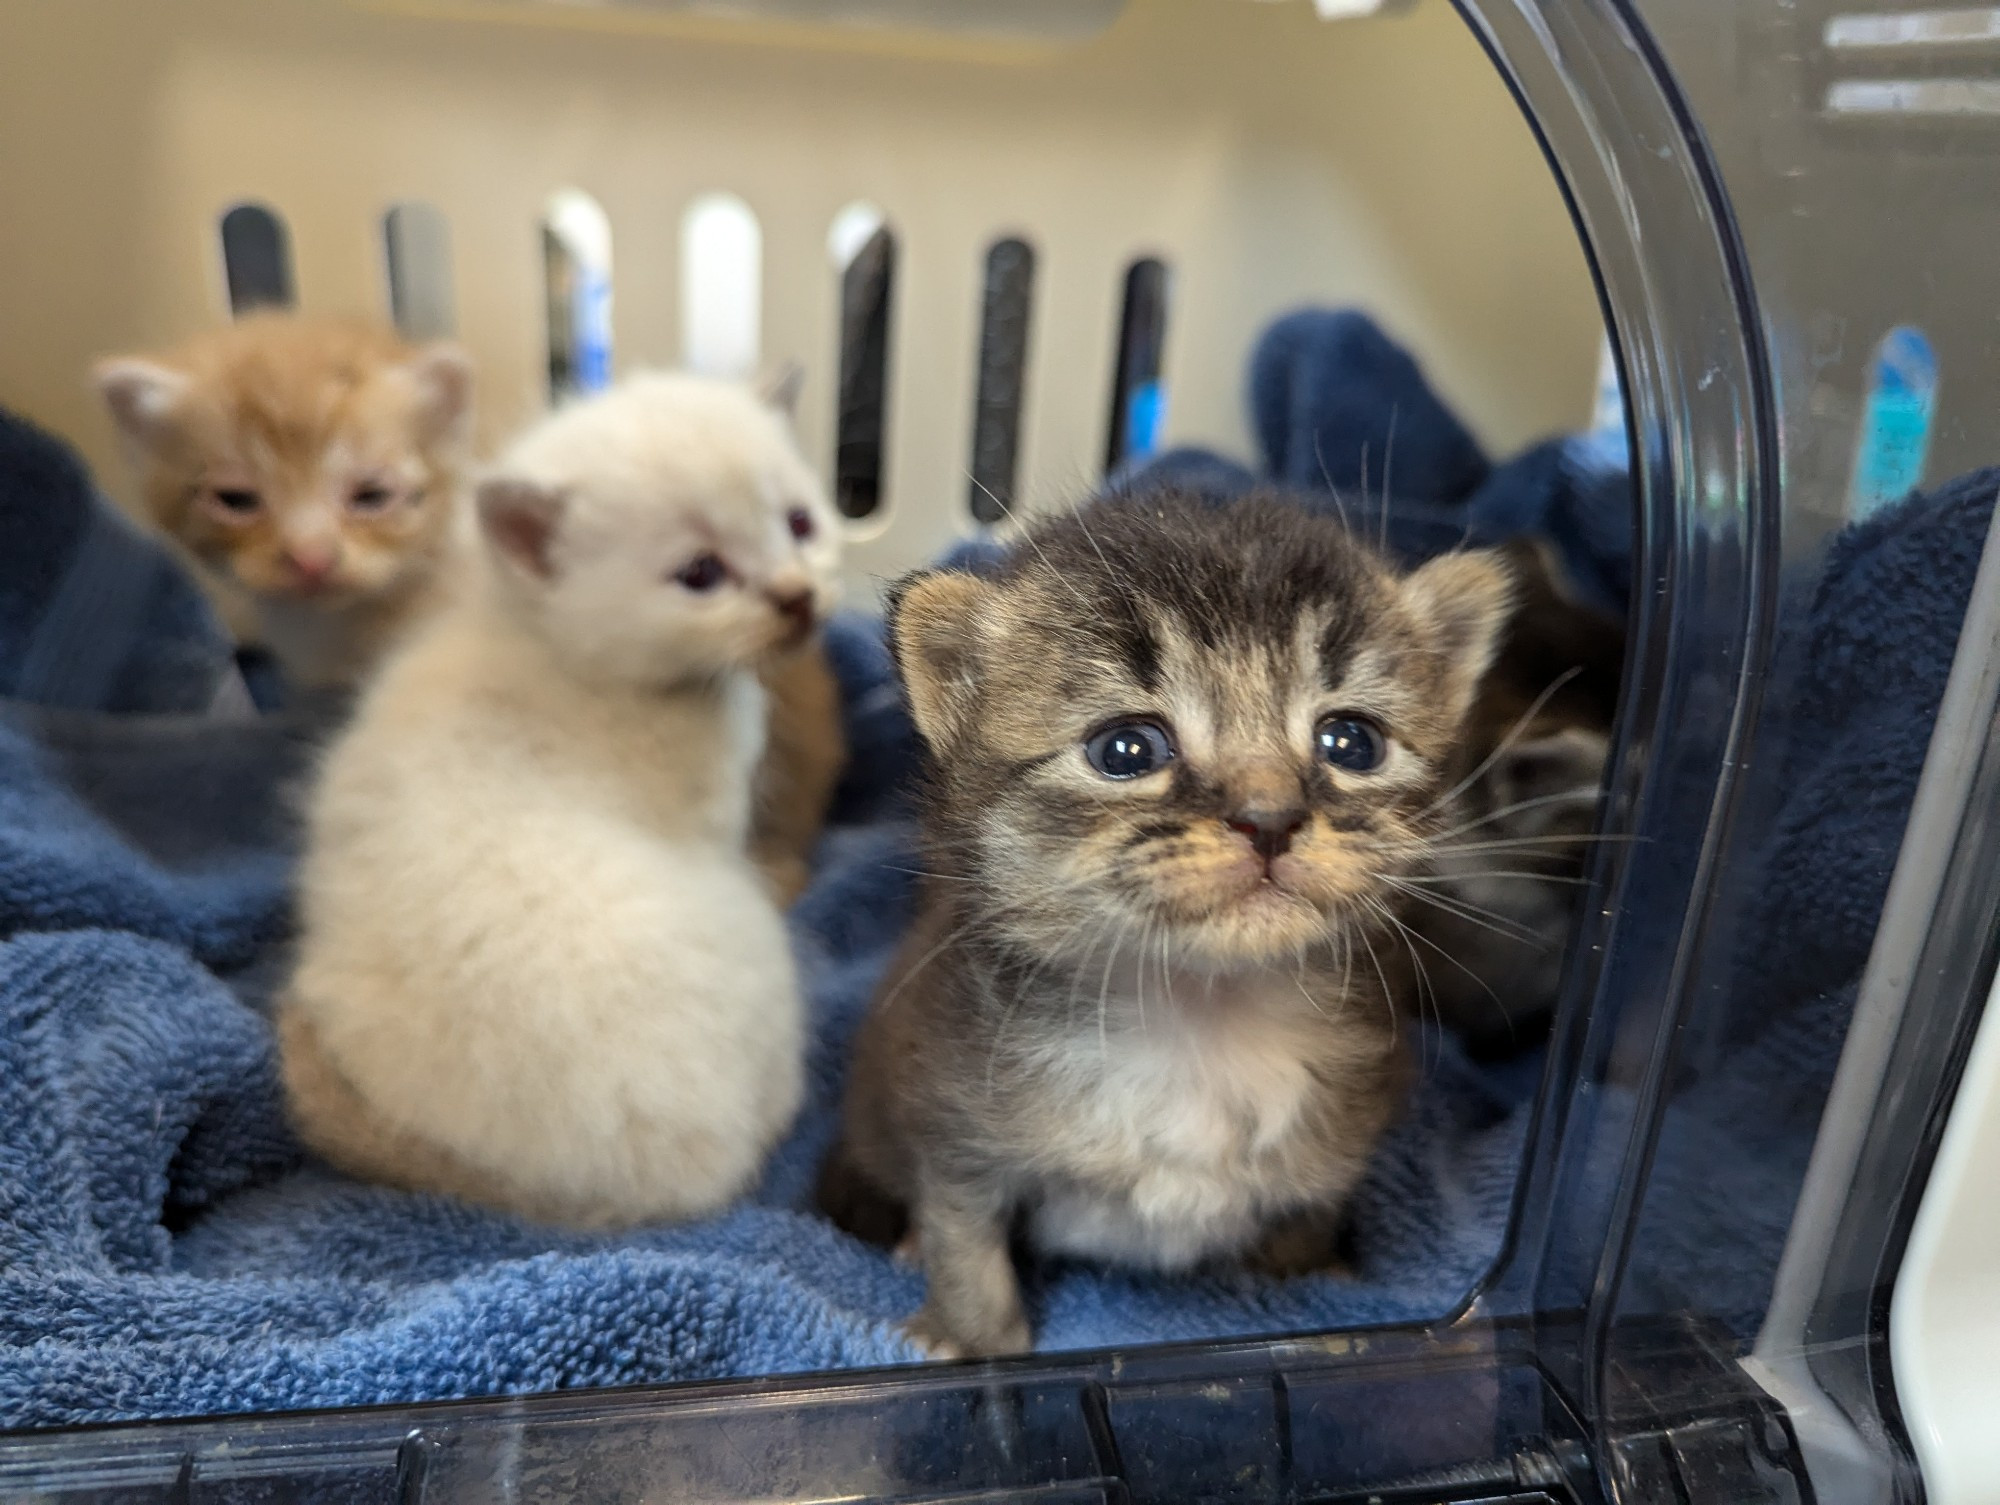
(1944, 1323)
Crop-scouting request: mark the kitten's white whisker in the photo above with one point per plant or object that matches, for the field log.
(1577, 796)
(1426, 991)
(1402, 885)
(1510, 843)
(1027, 534)
(1456, 963)
(1091, 539)
(1483, 919)
(1388, 993)
(1339, 507)
(1513, 734)
(1104, 988)
(1446, 878)
(1388, 463)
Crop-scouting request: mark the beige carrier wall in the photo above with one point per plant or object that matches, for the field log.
(1270, 157)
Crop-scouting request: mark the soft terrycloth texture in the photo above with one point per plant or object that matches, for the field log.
(93, 615)
(1872, 653)
(165, 1250)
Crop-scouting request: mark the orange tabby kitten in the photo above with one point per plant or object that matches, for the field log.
(308, 470)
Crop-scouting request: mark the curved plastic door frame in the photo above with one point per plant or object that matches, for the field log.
(1678, 302)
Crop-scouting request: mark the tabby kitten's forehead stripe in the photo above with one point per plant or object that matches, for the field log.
(1270, 599)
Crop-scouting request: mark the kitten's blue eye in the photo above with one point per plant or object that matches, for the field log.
(1351, 743)
(1130, 750)
(702, 573)
(800, 522)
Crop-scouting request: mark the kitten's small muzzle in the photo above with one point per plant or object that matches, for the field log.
(796, 616)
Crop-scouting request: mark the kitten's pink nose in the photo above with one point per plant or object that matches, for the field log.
(1270, 831)
(312, 563)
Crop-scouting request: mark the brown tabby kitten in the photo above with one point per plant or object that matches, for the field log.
(1175, 754)
(308, 470)
(1493, 916)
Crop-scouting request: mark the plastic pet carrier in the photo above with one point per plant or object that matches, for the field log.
(1723, 1237)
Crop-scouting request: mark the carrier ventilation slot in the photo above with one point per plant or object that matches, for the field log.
(722, 286)
(1138, 396)
(1861, 31)
(863, 246)
(256, 259)
(576, 268)
(416, 242)
(1003, 365)
(1890, 97)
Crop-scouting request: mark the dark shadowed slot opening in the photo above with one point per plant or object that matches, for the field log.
(576, 273)
(559, 278)
(1003, 369)
(1138, 397)
(416, 244)
(256, 259)
(867, 290)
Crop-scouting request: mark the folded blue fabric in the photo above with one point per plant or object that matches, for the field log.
(1339, 406)
(1346, 422)
(1872, 650)
(166, 1249)
(93, 614)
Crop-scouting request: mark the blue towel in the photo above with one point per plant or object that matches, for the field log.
(1346, 422)
(93, 614)
(166, 1249)
(1339, 406)
(1873, 650)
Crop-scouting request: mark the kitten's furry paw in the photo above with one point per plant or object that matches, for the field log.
(939, 1340)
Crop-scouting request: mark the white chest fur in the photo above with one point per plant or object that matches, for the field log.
(1174, 1120)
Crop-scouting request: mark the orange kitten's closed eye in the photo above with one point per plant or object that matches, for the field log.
(308, 469)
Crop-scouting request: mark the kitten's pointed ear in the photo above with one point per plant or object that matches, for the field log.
(1464, 600)
(520, 518)
(443, 375)
(142, 396)
(780, 387)
(937, 633)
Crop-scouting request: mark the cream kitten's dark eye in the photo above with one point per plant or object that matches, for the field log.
(800, 522)
(1352, 743)
(1130, 750)
(702, 573)
(236, 501)
(370, 496)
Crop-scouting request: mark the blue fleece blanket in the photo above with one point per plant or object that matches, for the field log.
(165, 1248)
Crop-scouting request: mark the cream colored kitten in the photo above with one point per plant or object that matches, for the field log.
(538, 968)
(307, 469)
